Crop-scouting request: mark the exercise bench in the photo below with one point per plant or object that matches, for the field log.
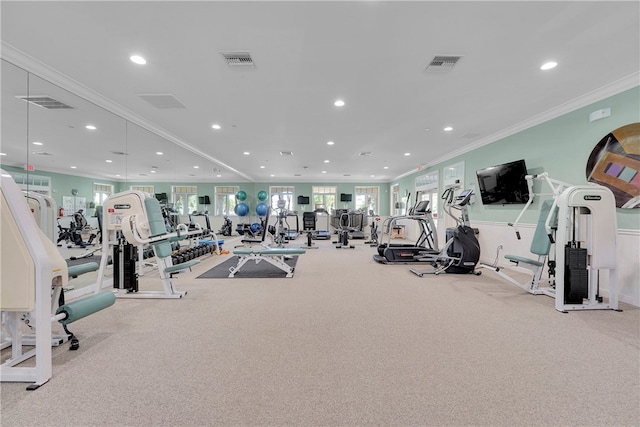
(274, 256)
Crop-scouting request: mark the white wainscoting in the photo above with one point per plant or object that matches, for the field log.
(493, 234)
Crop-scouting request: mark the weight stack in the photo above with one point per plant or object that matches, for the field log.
(576, 277)
(128, 268)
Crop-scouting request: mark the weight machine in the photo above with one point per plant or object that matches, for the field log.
(33, 276)
(133, 219)
(581, 218)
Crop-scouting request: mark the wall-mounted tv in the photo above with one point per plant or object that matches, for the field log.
(345, 197)
(162, 197)
(303, 200)
(504, 184)
(204, 200)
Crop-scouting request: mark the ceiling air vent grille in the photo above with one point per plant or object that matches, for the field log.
(47, 102)
(163, 101)
(442, 63)
(286, 153)
(365, 153)
(238, 59)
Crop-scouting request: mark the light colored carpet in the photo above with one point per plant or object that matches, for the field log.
(345, 342)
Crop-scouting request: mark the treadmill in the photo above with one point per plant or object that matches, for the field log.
(407, 253)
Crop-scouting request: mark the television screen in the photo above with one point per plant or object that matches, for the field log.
(345, 197)
(162, 197)
(503, 184)
(303, 200)
(204, 200)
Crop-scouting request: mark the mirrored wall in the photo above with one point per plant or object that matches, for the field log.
(49, 132)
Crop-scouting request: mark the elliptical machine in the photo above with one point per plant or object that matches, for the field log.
(461, 253)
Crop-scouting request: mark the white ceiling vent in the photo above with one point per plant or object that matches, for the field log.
(365, 153)
(286, 153)
(163, 101)
(238, 59)
(47, 102)
(442, 63)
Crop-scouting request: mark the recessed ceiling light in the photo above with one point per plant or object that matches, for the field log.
(3, 154)
(159, 153)
(246, 153)
(372, 176)
(448, 129)
(330, 142)
(262, 167)
(109, 161)
(272, 175)
(196, 167)
(324, 171)
(37, 143)
(407, 154)
(548, 65)
(73, 167)
(427, 129)
(153, 171)
(339, 103)
(327, 161)
(386, 167)
(137, 59)
(90, 127)
(218, 176)
(216, 126)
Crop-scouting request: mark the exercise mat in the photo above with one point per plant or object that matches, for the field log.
(251, 270)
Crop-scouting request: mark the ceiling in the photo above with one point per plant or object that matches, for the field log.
(372, 54)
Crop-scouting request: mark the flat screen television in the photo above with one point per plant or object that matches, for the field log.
(162, 197)
(303, 200)
(204, 200)
(345, 197)
(504, 184)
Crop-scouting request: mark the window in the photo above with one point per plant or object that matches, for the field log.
(101, 192)
(185, 198)
(395, 200)
(324, 198)
(144, 188)
(225, 200)
(427, 189)
(367, 199)
(281, 193)
(36, 183)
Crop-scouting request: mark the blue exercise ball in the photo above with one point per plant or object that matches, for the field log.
(255, 227)
(241, 195)
(262, 209)
(262, 195)
(241, 209)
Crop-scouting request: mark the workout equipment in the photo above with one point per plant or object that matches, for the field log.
(400, 253)
(241, 195)
(135, 218)
(581, 218)
(461, 253)
(226, 228)
(262, 209)
(241, 209)
(322, 234)
(309, 227)
(373, 242)
(33, 277)
(262, 195)
(44, 211)
(274, 256)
